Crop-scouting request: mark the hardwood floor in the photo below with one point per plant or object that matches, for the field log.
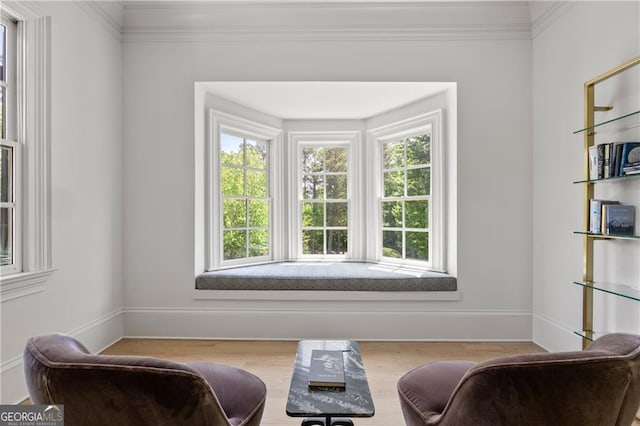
(272, 361)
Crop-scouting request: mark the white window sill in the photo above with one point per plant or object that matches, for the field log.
(23, 284)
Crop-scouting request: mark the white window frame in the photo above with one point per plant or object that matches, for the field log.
(221, 122)
(10, 141)
(351, 142)
(34, 131)
(413, 126)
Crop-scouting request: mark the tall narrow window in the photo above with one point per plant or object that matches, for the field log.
(405, 205)
(244, 185)
(9, 152)
(324, 205)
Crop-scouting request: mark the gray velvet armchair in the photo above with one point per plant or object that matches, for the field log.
(599, 386)
(132, 390)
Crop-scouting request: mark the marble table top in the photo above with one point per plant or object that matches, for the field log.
(352, 401)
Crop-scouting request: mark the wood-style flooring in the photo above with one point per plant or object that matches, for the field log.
(272, 361)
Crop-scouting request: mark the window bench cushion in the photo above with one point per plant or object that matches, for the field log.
(342, 276)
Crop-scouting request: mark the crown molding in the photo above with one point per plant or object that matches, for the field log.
(547, 14)
(317, 21)
(432, 33)
(316, 4)
(22, 10)
(109, 14)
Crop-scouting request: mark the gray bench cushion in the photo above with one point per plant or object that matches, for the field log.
(344, 276)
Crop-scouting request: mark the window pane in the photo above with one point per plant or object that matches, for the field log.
(313, 187)
(256, 183)
(417, 214)
(258, 242)
(419, 181)
(6, 174)
(3, 114)
(312, 214)
(419, 150)
(336, 241)
(392, 214)
(235, 213)
(312, 242)
(392, 244)
(312, 160)
(336, 160)
(394, 184)
(337, 187)
(235, 244)
(256, 154)
(3, 32)
(258, 213)
(6, 236)
(393, 155)
(232, 180)
(231, 150)
(418, 245)
(337, 214)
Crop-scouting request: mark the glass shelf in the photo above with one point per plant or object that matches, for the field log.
(610, 179)
(590, 335)
(617, 289)
(613, 120)
(609, 236)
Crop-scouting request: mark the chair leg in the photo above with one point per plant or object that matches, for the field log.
(321, 421)
(315, 421)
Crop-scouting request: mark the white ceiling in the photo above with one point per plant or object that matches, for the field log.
(324, 100)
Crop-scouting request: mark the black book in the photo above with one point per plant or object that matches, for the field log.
(327, 369)
(618, 219)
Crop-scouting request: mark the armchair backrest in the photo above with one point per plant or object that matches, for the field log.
(118, 390)
(597, 386)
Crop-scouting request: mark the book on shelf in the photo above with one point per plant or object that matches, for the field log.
(618, 219)
(327, 369)
(609, 160)
(596, 162)
(595, 215)
(631, 169)
(613, 159)
(617, 156)
(629, 156)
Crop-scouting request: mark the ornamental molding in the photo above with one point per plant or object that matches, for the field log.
(318, 21)
(545, 14)
(110, 15)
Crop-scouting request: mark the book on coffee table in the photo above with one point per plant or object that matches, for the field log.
(327, 369)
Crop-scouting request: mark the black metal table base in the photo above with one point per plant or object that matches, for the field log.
(327, 421)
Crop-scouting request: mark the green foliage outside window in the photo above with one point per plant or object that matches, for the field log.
(406, 197)
(244, 185)
(324, 208)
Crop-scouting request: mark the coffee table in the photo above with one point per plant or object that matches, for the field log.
(329, 406)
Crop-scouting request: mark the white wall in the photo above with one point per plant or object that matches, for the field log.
(584, 40)
(494, 183)
(123, 191)
(84, 296)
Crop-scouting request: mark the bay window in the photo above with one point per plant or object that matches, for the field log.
(325, 195)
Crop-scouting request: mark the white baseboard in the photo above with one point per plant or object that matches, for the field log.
(95, 335)
(554, 336)
(285, 325)
(337, 324)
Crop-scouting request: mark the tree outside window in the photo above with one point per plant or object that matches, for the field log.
(324, 206)
(406, 179)
(244, 186)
